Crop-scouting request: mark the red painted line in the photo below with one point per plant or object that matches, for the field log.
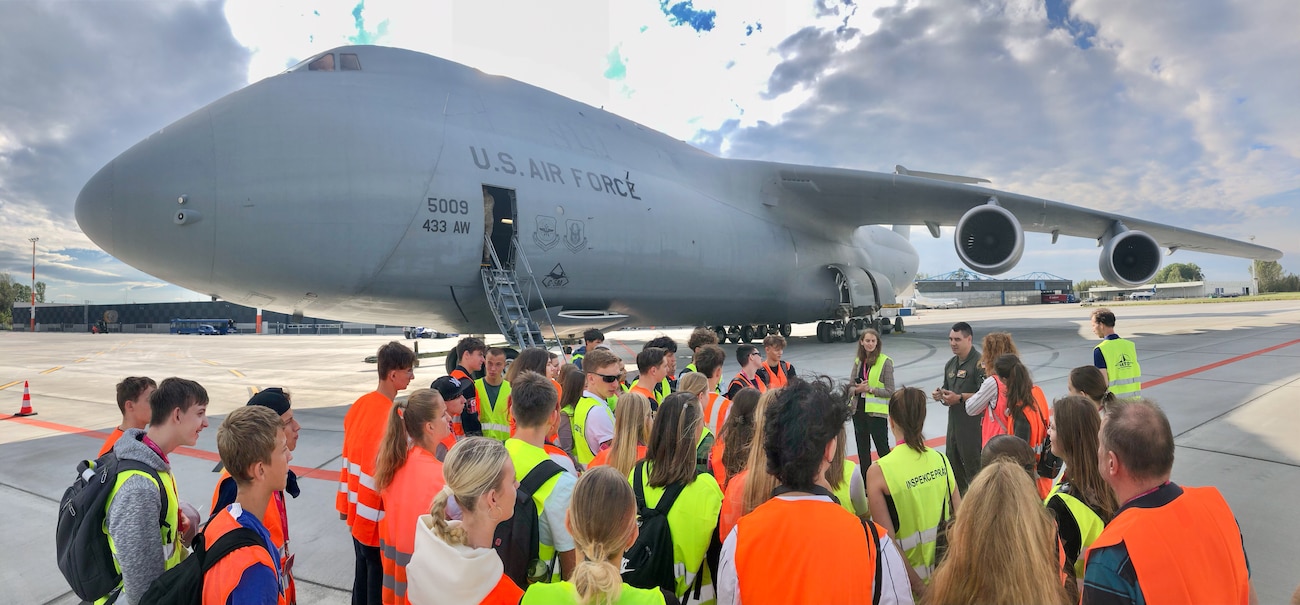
(301, 471)
(1211, 366)
(331, 475)
(625, 348)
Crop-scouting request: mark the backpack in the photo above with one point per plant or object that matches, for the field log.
(517, 539)
(80, 537)
(649, 562)
(183, 584)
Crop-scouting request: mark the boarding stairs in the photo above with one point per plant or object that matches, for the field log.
(510, 299)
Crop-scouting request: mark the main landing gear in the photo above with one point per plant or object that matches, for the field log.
(849, 330)
(749, 333)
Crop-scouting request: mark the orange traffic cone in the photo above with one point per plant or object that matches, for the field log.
(27, 402)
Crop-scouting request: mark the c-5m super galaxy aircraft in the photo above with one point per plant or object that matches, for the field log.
(357, 185)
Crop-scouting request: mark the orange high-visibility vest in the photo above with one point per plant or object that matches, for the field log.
(277, 524)
(715, 464)
(715, 411)
(1187, 551)
(774, 378)
(777, 563)
(223, 578)
(363, 431)
(408, 496)
(744, 381)
(108, 443)
(998, 421)
(733, 505)
(602, 458)
(504, 593)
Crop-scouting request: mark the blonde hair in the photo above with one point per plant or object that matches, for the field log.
(759, 483)
(602, 517)
(1002, 547)
(835, 472)
(630, 430)
(474, 467)
(694, 383)
(247, 436)
(406, 420)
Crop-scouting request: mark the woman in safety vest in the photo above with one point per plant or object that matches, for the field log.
(1002, 547)
(743, 495)
(993, 391)
(453, 562)
(602, 518)
(873, 383)
(697, 384)
(735, 438)
(531, 360)
(670, 459)
(632, 422)
(912, 491)
(1082, 501)
(1021, 409)
(571, 382)
(1089, 382)
(408, 476)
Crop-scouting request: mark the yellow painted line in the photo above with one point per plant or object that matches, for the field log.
(210, 362)
(236, 373)
(82, 359)
(253, 391)
(99, 352)
(3, 387)
(53, 369)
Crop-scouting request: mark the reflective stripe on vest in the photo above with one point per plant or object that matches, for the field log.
(1090, 526)
(363, 430)
(715, 411)
(579, 425)
(745, 382)
(1122, 368)
(776, 378)
(173, 551)
(1187, 551)
(693, 520)
(876, 405)
(526, 456)
(276, 523)
(223, 578)
(826, 569)
(919, 485)
(493, 415)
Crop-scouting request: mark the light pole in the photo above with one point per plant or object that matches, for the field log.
(33, 309)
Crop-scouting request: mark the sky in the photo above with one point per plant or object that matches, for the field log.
(1176, 112)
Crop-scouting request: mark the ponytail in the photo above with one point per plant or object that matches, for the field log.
(406, 420)
(835, 472)
(474, 467)
(453, 535)
(907, 410)
(1108, 401)
(759, 483)
(602, 517)
(1020, 386)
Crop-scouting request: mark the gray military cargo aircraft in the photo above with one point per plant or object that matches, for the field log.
(385, 185)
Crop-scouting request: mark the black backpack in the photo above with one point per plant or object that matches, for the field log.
(183, 584)
(80, 540)
(649, 562)
(517, 539)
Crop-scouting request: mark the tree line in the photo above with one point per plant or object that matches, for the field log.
(13, 292)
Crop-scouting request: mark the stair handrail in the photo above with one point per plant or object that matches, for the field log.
(528, 269)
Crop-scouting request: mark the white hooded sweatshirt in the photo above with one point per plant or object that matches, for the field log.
(440, 573)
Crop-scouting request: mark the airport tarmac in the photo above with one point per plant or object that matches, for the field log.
(1225, 373)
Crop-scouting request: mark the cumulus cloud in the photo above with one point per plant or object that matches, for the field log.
(1179, 116)
(83, 82)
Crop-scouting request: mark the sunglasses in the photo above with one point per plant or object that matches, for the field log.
(610, 379)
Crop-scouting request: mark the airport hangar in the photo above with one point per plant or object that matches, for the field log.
(975, 290)
(156, 318)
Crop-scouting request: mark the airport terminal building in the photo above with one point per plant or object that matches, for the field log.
(157, 318)
(975, 290)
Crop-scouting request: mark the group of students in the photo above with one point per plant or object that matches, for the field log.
(756, 495)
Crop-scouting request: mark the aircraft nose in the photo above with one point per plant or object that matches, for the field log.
(94, 208)
(154, 206)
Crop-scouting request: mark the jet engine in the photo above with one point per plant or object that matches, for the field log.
(989, 239)
(1128, 258)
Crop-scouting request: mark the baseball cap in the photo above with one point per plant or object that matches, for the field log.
(451, 388)
(274, 398)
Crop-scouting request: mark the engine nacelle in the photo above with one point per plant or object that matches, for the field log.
(1129, 258)
(989, 239)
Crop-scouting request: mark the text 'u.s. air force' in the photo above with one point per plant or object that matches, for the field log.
(552, 173)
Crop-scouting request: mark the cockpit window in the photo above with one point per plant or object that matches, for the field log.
(349, 62)
(323, 63)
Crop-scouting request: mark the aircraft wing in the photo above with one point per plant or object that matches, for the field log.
(864, 198)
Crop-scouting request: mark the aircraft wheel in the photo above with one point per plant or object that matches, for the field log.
(821, 332)
(851, 331)
(746, 334)
(721, 331)
(785, 330)
(898, 325)
(733, 334)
